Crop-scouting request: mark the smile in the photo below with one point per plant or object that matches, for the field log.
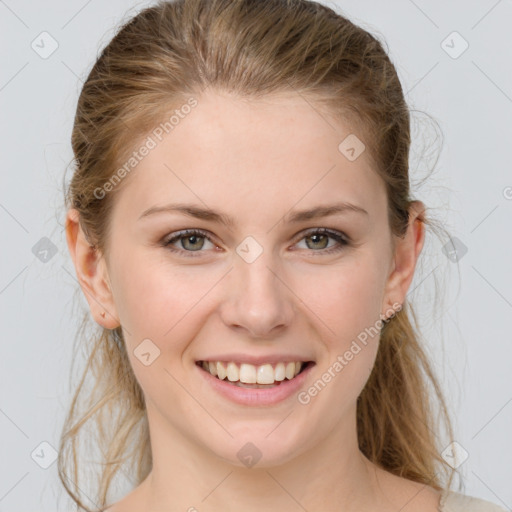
(253, 376)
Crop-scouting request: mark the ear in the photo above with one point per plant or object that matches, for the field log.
(407, 251)
(92, 274)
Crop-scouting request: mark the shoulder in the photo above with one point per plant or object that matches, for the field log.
(455, 502)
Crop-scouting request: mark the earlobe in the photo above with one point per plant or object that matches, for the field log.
(92, 273)
(407, 251)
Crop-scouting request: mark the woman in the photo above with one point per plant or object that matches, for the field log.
(241, 226)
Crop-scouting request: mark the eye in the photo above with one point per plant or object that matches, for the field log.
(318, 239)
(191, 240)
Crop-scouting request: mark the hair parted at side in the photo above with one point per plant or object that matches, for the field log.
(250, 48)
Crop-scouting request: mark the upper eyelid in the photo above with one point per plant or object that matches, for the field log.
(177, 235)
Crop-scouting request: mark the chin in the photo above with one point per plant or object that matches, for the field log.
(257, 449)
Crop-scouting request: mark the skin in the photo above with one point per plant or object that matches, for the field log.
(256, 161)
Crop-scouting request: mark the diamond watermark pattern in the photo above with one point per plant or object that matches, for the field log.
(455, 454)
(454, 45)
(44, 455)
(249, 455)
(44, 45)
(44, 249)
(146, 352)
(454, 249)
(351, 147)
(249, 249)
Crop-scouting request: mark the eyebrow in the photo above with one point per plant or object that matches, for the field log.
(199, 212)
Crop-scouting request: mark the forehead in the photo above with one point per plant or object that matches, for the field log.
(251, 154)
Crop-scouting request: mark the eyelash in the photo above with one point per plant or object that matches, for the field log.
(341, 239)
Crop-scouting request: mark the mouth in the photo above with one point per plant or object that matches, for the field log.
(245, 375)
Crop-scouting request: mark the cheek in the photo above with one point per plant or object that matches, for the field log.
(347, 305)
(157, 300)
(345, 298)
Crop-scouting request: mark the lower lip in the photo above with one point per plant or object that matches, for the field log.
(257, 396)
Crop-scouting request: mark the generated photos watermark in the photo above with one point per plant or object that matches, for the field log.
(149, 143)
(342, 360)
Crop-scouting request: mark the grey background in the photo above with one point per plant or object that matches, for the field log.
(468, 336)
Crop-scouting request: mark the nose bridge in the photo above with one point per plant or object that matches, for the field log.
(259, 301)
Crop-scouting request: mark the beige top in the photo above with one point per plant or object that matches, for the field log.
(455, 502)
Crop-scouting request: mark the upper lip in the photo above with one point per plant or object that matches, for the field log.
(256, 360)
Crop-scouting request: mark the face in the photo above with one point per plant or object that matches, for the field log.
(261, 283)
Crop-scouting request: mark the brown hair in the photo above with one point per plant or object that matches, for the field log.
(251, 48)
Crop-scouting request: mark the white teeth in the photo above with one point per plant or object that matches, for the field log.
(250, 374)
(266, 374)
(212, 367)
(233, 372)
(280, 372)
(221, 371)
(290, 370)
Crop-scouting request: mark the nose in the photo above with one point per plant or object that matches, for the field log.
(257, 299)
